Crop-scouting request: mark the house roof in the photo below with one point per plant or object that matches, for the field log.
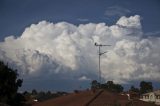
(90, 98)
(157, 92)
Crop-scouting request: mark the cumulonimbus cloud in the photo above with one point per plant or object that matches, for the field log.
(66, 48)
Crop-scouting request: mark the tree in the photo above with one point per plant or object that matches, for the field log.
(145, 87)
(133, 89)
(95, 84)
(9, 85)
(118, 88)
(110, 86)
(34, 92)
(114, 87)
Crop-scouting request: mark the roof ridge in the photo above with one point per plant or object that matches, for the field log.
(94, 97)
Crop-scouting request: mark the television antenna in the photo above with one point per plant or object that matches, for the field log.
(100, 54)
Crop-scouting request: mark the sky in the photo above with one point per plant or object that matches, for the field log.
(51, 42)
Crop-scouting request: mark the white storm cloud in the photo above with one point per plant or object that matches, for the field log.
(64, 48)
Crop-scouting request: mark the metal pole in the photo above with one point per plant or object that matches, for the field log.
(99, 65)
(100, 45)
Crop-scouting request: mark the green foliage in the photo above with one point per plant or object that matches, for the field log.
(110, 86)
(95, 84)
(133, 89)
(34, 92)
(9, 85)
(145, 87)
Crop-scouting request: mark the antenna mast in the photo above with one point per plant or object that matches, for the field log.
(100, 54)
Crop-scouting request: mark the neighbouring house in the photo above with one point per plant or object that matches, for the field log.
(151, 97)
(133, 95)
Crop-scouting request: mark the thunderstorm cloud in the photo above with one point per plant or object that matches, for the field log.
(68, 50)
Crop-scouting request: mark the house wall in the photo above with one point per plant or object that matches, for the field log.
(145, 98)
(158, 100)
(151, 97)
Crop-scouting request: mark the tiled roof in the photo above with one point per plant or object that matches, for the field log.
(157, 92)
(88, 98)
(74, 99)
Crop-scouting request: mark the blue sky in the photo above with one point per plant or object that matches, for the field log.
(17, 14)
(33, 48)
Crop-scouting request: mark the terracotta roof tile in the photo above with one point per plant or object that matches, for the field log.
(88, 98)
